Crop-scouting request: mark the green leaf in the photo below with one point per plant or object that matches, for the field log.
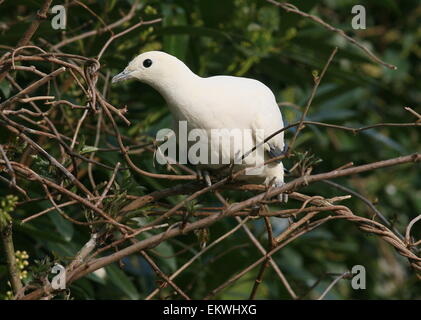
(175, 44)
(88, 149)
(216, 12)
(64, 227)
(195, 31)
(122, 281)
(167, 251)
(385, 140)
(5, 87)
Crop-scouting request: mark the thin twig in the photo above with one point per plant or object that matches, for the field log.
(118, 35)
(317, 81)
(291, 8)
(343, 275)
(7, 238)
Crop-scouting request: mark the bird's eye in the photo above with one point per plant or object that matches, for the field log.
(147, 63)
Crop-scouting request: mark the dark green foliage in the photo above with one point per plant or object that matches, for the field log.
(250, 38)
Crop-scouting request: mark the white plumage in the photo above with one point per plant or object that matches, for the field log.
(219, 102)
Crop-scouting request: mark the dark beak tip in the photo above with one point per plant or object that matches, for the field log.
(114, 80)
(117, 78)
(124, 75)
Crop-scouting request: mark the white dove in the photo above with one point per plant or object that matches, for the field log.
(218, 103)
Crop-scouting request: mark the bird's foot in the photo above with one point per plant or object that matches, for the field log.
(207, 178)
(199, 174)
(204, 175)
(282, 197)
(255, 209)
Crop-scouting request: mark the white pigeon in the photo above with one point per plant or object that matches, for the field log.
(218, 102)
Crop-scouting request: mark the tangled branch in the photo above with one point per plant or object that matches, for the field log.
(36, 122)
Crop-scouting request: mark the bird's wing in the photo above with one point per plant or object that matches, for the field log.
(266, 124)
(245, 104)
(267, 120)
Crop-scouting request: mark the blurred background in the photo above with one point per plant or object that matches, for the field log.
(250, 38)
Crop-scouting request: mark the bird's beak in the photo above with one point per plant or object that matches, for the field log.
(122, 76)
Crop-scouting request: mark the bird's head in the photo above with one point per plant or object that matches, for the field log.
(153, 68)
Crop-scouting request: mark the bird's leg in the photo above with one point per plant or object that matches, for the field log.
(199, 174)
(255, 209)
(231, 172)
(277, 183)
(204, 175)
(185, 219)
(207, 178)
(282, 197)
